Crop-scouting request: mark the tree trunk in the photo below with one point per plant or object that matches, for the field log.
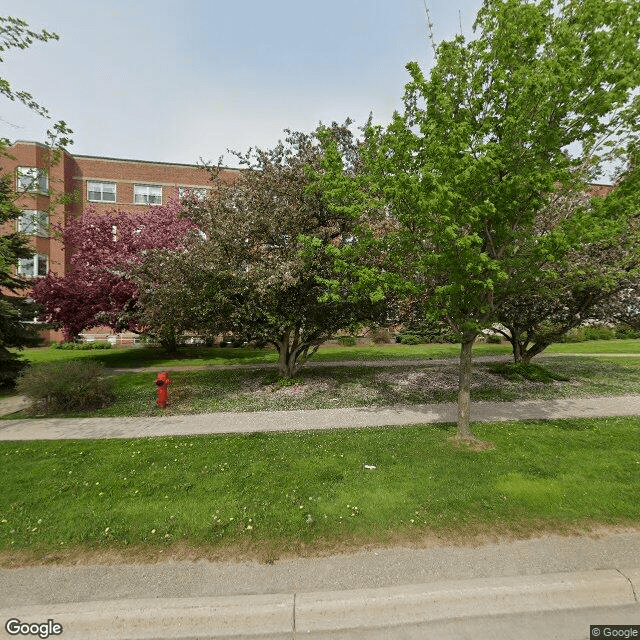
(283, 353)
(464, 388)
(169, 342)
(534, 350)
(517, 346)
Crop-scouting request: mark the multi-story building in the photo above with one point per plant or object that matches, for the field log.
(51, 190)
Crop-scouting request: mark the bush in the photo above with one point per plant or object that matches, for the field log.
(598, 333)
(347, 341)
(623, 332)
(102, 345)
(381, 336)
(519, 371)
(67, 345)
(493, 338)
(573, 335)
(410, 338)
(69, 386)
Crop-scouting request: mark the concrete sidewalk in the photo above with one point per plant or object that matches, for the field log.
(265, 421)
(554, 586)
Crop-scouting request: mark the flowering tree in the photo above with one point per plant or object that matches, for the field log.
(259, 269)
(96, 289)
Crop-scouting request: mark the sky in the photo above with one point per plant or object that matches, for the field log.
(185, 81)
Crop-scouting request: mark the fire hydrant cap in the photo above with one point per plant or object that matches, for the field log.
(163, 378)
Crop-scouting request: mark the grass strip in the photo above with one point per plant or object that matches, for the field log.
(127, 357)
(273, 494)
(339, 387)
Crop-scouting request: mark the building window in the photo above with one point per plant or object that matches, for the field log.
(36, 316)
(34, 223)
(199, 193)
(36, 266)
(101, 191)
(147, 194)
(32, 179)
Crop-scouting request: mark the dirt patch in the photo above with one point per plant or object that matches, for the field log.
(471, 444)
(472, 536)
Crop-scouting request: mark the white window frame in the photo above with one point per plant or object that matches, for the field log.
(142, 194)
(34, 223)
(96, 191)
(38, 262)
(32, 179)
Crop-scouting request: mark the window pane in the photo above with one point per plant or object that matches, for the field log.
(33, 223)
(147, 194)
(26, 266)
(43, 264)
(32, 179)
(27, 222)
(101, 191)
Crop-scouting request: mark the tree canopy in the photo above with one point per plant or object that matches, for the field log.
(97, 288)
(537, 102)
(16, 311)
(259, 265)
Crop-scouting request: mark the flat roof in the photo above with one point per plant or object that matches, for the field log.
(110, 159)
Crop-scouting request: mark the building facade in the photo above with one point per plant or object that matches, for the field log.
(51, 190)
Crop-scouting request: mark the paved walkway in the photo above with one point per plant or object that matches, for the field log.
(263, 421)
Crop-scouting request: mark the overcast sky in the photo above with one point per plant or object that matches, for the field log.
(180, 81)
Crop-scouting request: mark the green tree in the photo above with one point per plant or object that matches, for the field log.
(16, 311)
(538, 101)
(583, 282)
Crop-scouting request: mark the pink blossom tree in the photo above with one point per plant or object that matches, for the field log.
(97, 289)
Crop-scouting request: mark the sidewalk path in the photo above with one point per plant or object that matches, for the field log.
(264, 421)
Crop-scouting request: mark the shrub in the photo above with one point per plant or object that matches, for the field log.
(493, 338)
(573, 335)
(624, 332)
(69, 386)
(381, 336)
(347, 341)
(67, 345)
(598, 333)
(519, 371)
(410, 338)
(101, 344)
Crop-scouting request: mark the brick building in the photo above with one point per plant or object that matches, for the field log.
(50, 192)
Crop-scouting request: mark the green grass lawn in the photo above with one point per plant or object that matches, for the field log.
(152, 357)
(267, 495)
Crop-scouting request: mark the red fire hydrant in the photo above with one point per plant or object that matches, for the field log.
(162, 382)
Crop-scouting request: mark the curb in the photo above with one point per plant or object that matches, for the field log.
(324, 614)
